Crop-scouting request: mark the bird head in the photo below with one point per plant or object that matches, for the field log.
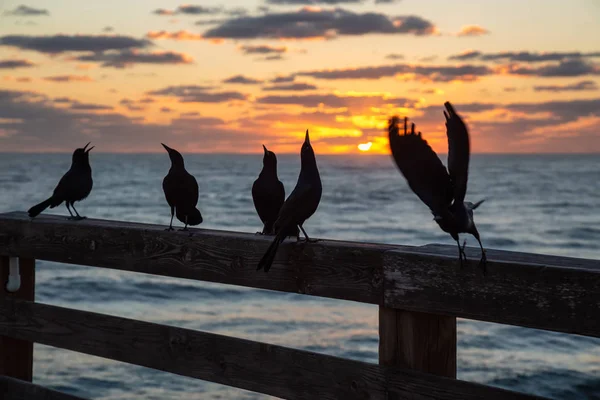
(81, 155)
(307, 154)
(269, 158)
(174, 155)
(470, 207)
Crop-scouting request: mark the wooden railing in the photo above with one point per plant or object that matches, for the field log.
(420, 292)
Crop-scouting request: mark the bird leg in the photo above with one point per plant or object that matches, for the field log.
(69, 209)
(170, 228)
(307, 239)
(186, 224)
(483, 260)
(78, 217)
(461, 253)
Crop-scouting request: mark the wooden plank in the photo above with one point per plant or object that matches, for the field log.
(16, 355)
(260, 367)
(546, 292)
(519, 289)
(16, 389)
(341, 270)
(419, 341)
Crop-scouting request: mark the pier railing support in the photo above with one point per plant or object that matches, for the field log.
(419, 341)
(16, 356)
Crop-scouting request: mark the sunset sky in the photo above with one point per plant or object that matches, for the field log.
(209, 77)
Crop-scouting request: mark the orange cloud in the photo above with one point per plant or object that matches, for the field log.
(84, 67)
(472, 30)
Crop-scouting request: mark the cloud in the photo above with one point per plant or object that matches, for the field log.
(13, 64)
(574, 67)
(68, 78)
(20, 79)
(198, 94)
(241, 79)
(394, 56)
(64, 100)
(108, 29)
(189, 10)
(472, 30)
(521, 56)
(274, 57)
(439, 73)
(56, 44)
(283, 79)
(27, 119)
(89, 107)
(311, 23)
(133, 105)
(292, 87)
(262, 49)
(573, 87)
(127, 58)
(427, 59)
(179, 35)
(311, 2)
(25, 11)
(354, 102)
(30, 118)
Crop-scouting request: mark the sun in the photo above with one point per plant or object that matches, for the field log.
(365, 146)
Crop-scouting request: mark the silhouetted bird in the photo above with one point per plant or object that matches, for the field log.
(181, 191)
(75, 185)
(268, 192)
(443, 191)
(299, 206)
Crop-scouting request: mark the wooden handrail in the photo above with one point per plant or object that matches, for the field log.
(538, 291)
(265, 368)
(16, 389)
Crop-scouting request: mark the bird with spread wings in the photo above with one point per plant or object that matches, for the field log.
(443, 191)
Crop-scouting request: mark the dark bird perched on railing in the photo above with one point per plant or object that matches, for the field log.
(443, 191)
(75, 185)
(299, 206)
(268, 192)
(181, 191)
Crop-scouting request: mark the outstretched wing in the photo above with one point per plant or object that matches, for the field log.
(458, 152)
(422, 168)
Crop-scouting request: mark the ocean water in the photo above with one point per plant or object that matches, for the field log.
(546, 204)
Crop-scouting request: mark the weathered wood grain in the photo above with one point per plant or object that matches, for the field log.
(16, 355)
(16, 389)
(259, 367)
(546, 292)
(419, 341)
(519, 289)
(340, 270)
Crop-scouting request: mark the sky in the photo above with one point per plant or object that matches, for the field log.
(227, 77)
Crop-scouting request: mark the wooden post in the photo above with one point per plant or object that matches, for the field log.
(420, 341)
(16, 356)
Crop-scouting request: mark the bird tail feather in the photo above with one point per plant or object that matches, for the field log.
(267, 260)
(193, 217)
(38, 208)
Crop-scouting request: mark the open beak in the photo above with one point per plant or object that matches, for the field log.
(265, 149)
(88, 150)
(306, 138)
